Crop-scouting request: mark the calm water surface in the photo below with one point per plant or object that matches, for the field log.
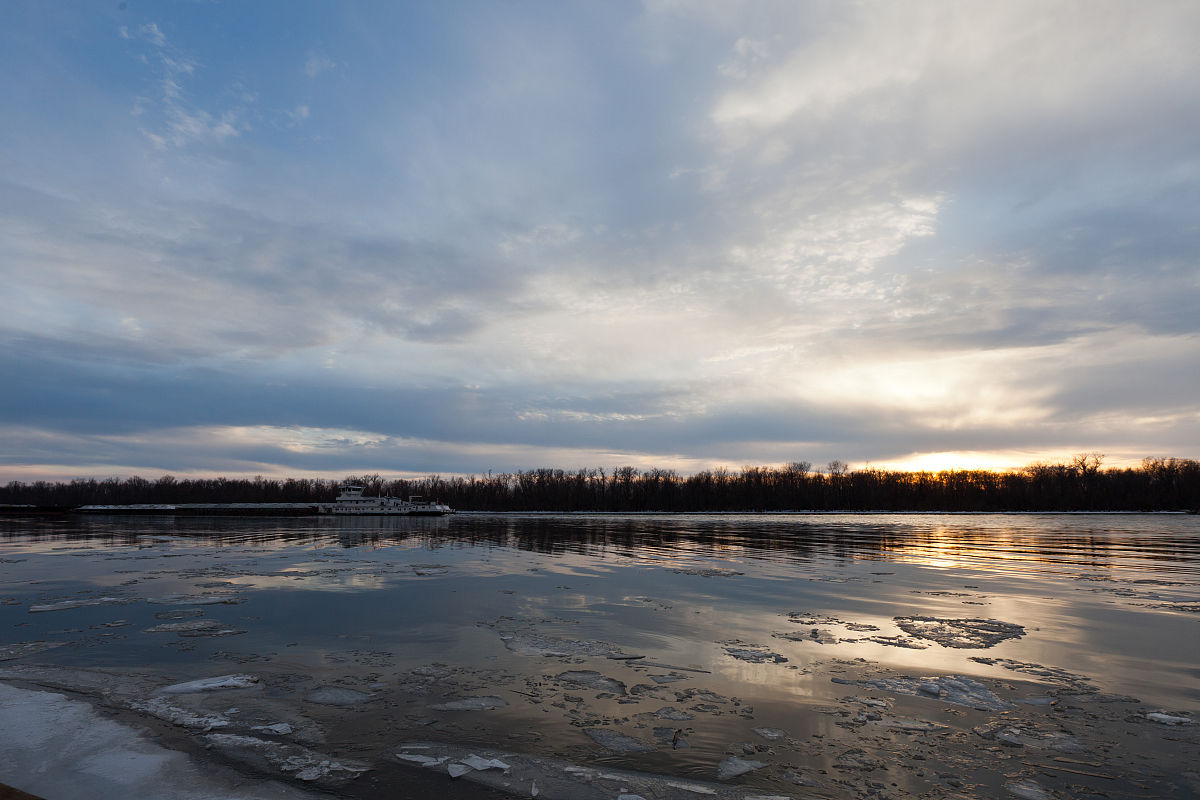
(423, 610)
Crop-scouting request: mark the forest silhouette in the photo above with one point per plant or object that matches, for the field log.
(1080, 484)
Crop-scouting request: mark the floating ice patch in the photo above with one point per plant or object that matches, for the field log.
(907, 642)
(1030, 735)
(1052, 674)
(671, 736)
(159, 708)
(809, 618)
(427, 761)
(816, 636)
(1164, 718)
(735, 766)
(338, 696)
(480, 763)
(709, 572)
(956, 689)
(211, 684)
(617, 742)
(771, 734)
(85, 602)
(592, 680)
(796, 779)
(660, 679)
(1027, 790)
(753, 653)
(487, 703)
(555, 779)
(534, 644)
(196, 600)
(299, 762)
(11, 651)
(858, 759)
(185, 626)
(961, 633)
(278, 729)
(671, 713)
(180, 613)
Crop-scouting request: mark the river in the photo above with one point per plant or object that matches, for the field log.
(828, 650)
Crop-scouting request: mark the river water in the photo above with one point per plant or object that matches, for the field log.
(689, 635)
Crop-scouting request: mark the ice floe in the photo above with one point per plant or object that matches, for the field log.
(10, 651)
(1027, 790)
(971, 633)
(486, 703)
(338, 696)
(771, 734)
(535, 644)
(196, 600)
(296, 761)
(755, 654)
(161, 709)
(617, 741)
(57, 747)
(735, 765)
(557, 779)
(592, 680)
(672, 713)
(83, 602)
(956, 689)
(240, 681)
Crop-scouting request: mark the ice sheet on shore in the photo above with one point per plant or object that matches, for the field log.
(557, 779)
(54, 746)
(161, 709)
(10, 651)
(240, 681)
(293, 760)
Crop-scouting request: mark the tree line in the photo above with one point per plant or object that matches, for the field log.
(1080, 484)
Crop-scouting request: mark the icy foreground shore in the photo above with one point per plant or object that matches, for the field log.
(56, 747)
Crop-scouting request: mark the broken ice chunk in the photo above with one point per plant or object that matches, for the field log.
(592, 679)
(337, 696)
(961, 633)
(476, 762)
(211, 684)
(1027, 790)
(617, 742)
(670, 712)
(487, 703)
(734, 766)
(424, 761)
(771, 734)
(62, 605)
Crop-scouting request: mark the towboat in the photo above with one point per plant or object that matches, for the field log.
(351, 502)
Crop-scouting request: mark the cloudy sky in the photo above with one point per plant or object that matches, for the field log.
(320, 238)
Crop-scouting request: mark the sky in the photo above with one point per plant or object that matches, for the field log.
(319, 238)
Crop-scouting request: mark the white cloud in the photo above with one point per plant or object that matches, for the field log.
(152, 34)
(318, 62)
